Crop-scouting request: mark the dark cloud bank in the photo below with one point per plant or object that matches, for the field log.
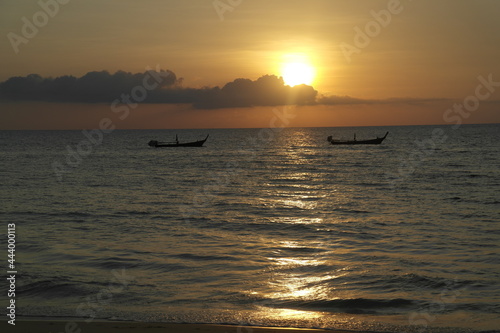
(160, 87)
(165, 88)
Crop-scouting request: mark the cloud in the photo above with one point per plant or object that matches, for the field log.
(103, 87)
(93, 87)
(268, 90)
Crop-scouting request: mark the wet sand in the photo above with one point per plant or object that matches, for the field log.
(61, 326)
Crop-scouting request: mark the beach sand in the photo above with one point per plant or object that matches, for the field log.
(59, 326)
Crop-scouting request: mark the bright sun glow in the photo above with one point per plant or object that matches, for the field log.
(295, 73)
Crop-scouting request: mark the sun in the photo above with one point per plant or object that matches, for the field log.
(295, 73)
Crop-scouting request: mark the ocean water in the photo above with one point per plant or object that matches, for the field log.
(272, 227)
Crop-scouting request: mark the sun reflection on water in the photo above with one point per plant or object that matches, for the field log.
(294, 220)
(288, 314)
(296, 279)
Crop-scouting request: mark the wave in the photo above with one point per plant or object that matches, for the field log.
(351, 211)
(416, 281)
(54, 289)
(353, 306)
(194, 257)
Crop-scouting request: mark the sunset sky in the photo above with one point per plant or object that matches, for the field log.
(368, 62)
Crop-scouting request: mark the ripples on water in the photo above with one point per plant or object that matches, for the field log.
(290, 232)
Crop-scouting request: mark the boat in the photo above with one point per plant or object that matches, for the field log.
(376, 141)
(159, 144)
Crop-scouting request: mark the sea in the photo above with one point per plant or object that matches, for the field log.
(260, 227)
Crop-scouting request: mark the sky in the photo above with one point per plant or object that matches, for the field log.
(67, 64)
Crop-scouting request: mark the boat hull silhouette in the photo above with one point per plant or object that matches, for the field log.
(158, 144)
(376, 141)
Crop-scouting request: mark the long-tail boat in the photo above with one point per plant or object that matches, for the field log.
(376, 141)
(176, 143)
